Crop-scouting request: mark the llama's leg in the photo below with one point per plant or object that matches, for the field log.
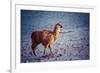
(34, 48)
(45, 47)
(50, 49)
(44, 51)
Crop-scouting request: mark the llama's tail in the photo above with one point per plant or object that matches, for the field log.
(32, 35)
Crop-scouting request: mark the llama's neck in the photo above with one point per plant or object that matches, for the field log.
(56, 33)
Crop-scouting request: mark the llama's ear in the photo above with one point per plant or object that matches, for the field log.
(59, 22)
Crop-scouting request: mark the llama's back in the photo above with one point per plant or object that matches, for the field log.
(44, 37)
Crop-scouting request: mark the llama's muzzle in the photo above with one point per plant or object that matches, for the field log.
(61, 26)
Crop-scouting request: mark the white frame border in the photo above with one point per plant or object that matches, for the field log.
(50, 66)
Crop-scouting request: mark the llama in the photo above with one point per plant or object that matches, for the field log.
(45, 37)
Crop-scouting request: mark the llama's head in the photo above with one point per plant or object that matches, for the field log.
(58, 27)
